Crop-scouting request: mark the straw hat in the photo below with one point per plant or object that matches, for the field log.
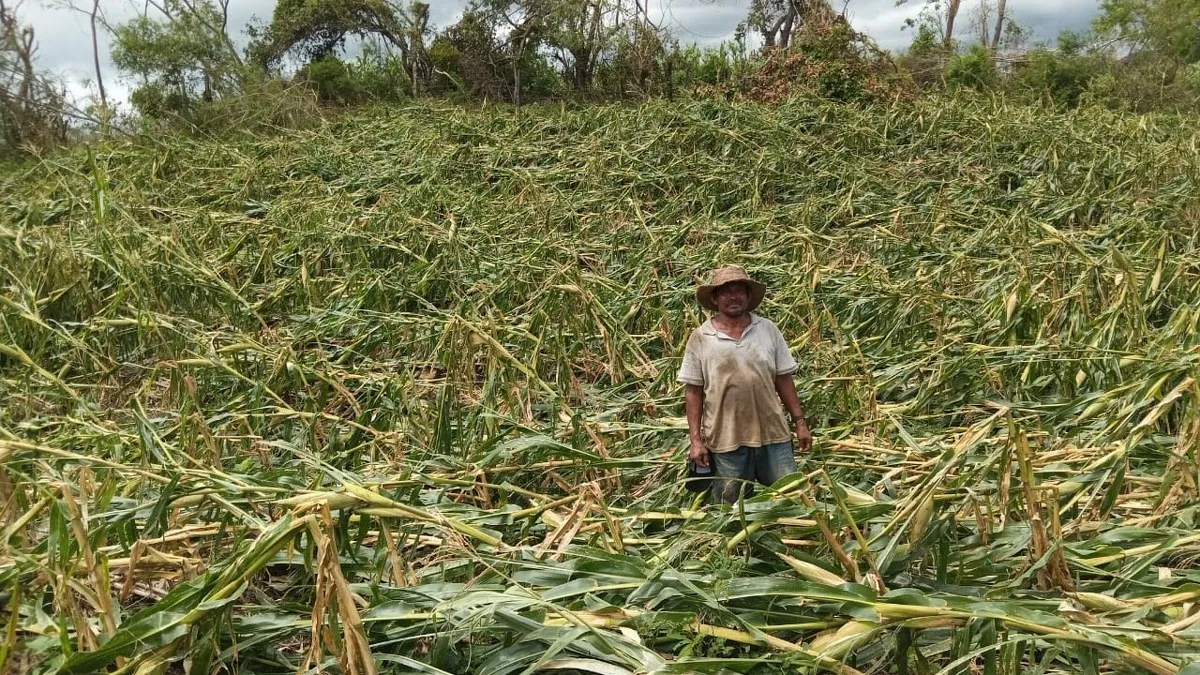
(728, 275)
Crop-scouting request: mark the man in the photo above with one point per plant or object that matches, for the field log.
(736, 370)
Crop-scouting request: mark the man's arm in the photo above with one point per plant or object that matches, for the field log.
(785, 386)
(693, 396)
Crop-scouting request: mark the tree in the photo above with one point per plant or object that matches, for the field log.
(778, 20)
(525, 23)
(1158, 42)
(497, 49)
(467, 55)
(952, 7)
(578, 33)
(974, 69)
(583, 37)
(32, 108)
(1001, 17)
(995, 27)
(181, 55)
(418, 57)
(1169, 28)
(941, 15)
(315, 29)
(91, 9)
(643, 52)
(94, 16)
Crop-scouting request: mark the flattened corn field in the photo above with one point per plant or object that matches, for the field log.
(396, 394)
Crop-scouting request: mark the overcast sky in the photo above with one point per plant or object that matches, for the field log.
(64, 42)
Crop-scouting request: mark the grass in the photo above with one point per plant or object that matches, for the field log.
(395, 394)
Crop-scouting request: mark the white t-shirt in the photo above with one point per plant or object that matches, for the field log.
(741, 406)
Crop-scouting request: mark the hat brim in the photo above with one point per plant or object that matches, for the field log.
(758, 291)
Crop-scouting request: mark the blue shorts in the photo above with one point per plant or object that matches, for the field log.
(738, 470)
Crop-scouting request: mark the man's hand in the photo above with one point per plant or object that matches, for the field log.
(803, 435)
(698, 454)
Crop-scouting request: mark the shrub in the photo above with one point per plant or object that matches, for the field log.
(832, 62)
(155, 101)
(380, 77)
(975, 69)
(446, 61)
(266, 106)
(332, 81)
(925, 61)
(1063, 76)
(1191, 75)
(1146, 82)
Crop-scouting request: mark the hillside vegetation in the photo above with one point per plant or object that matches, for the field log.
(396, 393)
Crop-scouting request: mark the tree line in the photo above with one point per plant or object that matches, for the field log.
(188, 65)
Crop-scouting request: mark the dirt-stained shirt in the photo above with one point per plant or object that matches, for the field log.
(741, 406)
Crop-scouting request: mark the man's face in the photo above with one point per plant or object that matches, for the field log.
(733, 299)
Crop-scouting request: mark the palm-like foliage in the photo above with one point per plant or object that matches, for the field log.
(396, 395)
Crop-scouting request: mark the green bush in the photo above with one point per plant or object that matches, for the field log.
(540, 78)
(839, 82)
(1191, 75)
(710, 68)
(373, 77)
(1063, 76)
(974, 69)
(380, 77)
(1146, 82)
(718, 65)
(447, 65)
(265, 106)
(1140, 82)
(832, 62)
(332, 81)
(925, 41)
(155, 101)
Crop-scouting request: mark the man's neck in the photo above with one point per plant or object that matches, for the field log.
(725, 321)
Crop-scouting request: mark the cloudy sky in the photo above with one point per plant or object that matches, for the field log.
(64, 43)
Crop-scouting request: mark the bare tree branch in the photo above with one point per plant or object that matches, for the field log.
(220, 30)
(96, 53)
